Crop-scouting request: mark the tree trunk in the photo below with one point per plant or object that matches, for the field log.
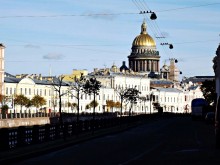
(93, 116)
(77, 118)
(130, 109)
(121, 106)
(60, 110)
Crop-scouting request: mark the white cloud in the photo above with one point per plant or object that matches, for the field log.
(53, 56)
(32, 46)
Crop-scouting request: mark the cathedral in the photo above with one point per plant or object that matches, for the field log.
(145, 59)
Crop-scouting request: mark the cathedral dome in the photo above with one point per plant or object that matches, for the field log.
(144, 39)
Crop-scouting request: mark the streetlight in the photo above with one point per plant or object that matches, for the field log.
(153, 15)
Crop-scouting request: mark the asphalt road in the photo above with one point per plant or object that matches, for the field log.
(177, 140)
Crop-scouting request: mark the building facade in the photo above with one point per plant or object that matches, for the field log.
(2, 67)
(31, 87)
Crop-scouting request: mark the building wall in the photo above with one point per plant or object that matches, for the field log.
(111, 86)
(29, 88)
(2, 68)
(75, 73)
(172, 101)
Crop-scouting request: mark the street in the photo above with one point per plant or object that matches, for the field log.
(176, 140)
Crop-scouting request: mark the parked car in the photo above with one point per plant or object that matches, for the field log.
(210, 117)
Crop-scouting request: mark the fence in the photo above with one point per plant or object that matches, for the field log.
(26, 115)
(26, 135)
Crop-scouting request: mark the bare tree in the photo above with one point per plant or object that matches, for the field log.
(131, 95)
(57, 84)
(143, 99)
(77, 86)
(121, 93)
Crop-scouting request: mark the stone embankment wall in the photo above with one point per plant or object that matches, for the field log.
(24, 122)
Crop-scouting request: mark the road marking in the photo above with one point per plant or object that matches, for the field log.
(142, 154)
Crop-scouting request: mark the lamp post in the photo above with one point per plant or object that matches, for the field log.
(153, 15)
(170, 45)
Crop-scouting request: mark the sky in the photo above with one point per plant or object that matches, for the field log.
(57, 36)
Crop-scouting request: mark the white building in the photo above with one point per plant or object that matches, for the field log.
(30, 87)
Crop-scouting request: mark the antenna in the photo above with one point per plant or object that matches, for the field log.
(50, 71)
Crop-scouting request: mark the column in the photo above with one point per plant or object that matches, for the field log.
(135, 65)
(139, 66)
(158, 67)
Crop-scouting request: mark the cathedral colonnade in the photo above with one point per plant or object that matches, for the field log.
(144, 65)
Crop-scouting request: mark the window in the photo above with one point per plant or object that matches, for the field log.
(7, 91)
(29, 91)
(45, 92)
(21, 90)
(11, 91)
(156, 97)
(25, 91)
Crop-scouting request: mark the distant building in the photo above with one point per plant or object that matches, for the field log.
(31, 87)
(75, 74)
(197, 79)
(144, 57)
(2, 67)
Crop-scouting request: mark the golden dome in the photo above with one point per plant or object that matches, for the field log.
(144, 39)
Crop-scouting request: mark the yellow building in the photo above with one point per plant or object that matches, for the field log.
(75, 73)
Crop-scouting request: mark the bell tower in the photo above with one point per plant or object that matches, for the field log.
(174, 71)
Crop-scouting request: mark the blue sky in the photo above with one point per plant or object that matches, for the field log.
(59, 34)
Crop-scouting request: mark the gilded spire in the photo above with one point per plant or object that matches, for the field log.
(144, 27)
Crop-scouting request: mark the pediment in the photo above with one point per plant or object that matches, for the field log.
(28, 81)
